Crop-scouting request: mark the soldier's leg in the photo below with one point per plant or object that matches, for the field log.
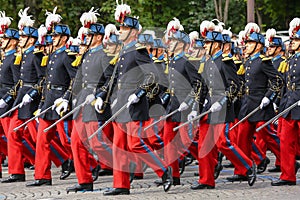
(64, 130)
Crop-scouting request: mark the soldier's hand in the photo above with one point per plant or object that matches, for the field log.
(62, 108)
(98, 104)
(132, 99)
(3, 104)
(90, 98)
(264, 102)
(36, 113)
(26, 100)
(57, 102)
(299, 103)
(192, 115)
(183, 106)
(216, 107)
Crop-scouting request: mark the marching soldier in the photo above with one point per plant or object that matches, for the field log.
(27, 99)
(289, 122)
(222, 82)
(9, 76)
(57, 92)
(94, 72)
(132, 81)
(262, 84)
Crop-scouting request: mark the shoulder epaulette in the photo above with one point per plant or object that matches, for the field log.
(158, 61)
(18, 59)
(38, 51)
(283, 67)
(241, 70)
(44, 61)
(139, 46)
(201, 67)
(114, 60)
(226, 57)
(264, 58)
(110, 54)
(77, 61)
(237, 62)
(105, 50)
(187, 55)
(71, 53)
(194, 58)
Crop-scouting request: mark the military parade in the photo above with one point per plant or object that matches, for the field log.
(116, 100)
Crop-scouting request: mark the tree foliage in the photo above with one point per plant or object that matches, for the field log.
(157, 14)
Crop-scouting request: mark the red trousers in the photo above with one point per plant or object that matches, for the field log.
(84, 162)
(217, 138)
(4, 126)
(128, 145)
(19, 144)
(48, 148)
(154, 135)
(289, 136)
(245, 139)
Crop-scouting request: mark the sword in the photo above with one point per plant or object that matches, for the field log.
(162, 118)
(32, 118)
(108, 121)
(191, 120)
(9, 111)
(65, 116)
(277, 116)
(246, 117)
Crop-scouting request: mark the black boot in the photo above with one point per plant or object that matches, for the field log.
(95, 172)
(182, 165)
(80, 187)
(263, 165)
(275, 169)
(67, 169)
(14, 178)
(116, 191)
(167, 179)
(39, 182)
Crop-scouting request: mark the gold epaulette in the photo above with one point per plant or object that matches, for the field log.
(139, 46)
(77, 61)
(38, 51)
(67, 50)
(201, 67)
(283, 67)
(187, 55)
(18, 59)
(226, 57)
(105, 50)
(44, 61)
(158, 61)
(167, 69)
(241, 70)
(191, 58)
(264, 58)
(154, 58)
(114, 60)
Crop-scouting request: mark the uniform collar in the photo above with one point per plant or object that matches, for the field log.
(178, 56)
(203, 59)
(30, 49)
(60, 50)
(218, 54)
(276, 57)
(255, 56)
(161, 57)
(98, 48)
(10, 52)
(297, 55)
(131, 44)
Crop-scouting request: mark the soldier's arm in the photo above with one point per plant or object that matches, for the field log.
(68, 59)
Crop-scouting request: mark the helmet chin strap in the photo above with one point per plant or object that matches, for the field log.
(273, 52)
(7, 44)
(88, 46)
(210, 48)
(129, 33)
(58, 41)
(198, 53)
(253, 49)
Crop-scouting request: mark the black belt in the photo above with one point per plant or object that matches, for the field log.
(56, 87)
(5, 86)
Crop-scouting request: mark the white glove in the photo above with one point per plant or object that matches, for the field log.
(26, 100)
(63, 107)
(37, 112)
(205, 102)
(114, 103)
(57, 102)
(216, 107)
(3, 104)
(299, 103)
(192, 115)
(98, 104)
(90, 98)
(275, 106)
(183, 106)
(264, 102)
(132, 99)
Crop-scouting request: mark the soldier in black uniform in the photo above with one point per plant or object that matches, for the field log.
(93, 73)
(57, 92)
(9, 76)
(28, 97)
(262, 84)
(289, 131)
(134, 75)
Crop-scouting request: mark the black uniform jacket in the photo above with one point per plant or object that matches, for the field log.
(94, 72)
(59, 79)
(292, 93)
(261, 80)
(9, 76)
(31, 78)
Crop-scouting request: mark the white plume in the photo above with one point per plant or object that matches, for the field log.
(76, 42)
(294, 26)
(82, 32)
(89, 18)
(5, 22)
(121, 11)
(42, 31)
(242, 36)
(25, 19)
(219, 27)
(150, 32)
(227, 32)
(252, 27)
(270, 34)
(206, 26)
(109, 29)
(52, 18)
(193, 36)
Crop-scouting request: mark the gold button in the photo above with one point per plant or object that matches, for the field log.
(121, 66)
(124, 51)
(122, 59)
(90, 54)
(173, 61)
(250, 62)
(55, 56)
